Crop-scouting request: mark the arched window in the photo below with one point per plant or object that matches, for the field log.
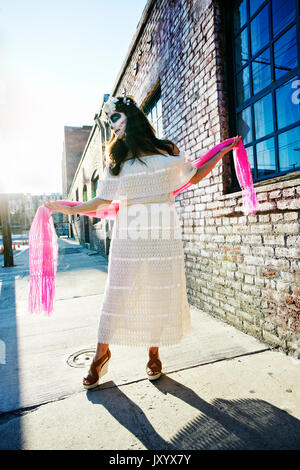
(94, 183)
(153, 111)
(77, 199)
(84, 193)
(265, 56)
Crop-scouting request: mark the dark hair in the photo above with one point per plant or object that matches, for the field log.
(139, 137)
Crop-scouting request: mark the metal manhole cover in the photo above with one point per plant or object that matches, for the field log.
(81, 358)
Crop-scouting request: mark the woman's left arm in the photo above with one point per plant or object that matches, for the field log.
(89, 206)
(94, 204)
(206, 168)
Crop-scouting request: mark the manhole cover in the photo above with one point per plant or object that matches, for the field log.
(81, 358)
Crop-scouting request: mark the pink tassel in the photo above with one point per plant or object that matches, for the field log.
(244, 176)
(43, 254)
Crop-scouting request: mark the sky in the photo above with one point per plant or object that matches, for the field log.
(57, 59)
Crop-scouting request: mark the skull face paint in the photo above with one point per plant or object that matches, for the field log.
(118, 123)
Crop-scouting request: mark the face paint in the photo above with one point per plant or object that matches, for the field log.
(118, 123)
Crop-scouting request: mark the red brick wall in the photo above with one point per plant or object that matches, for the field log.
(242, 269)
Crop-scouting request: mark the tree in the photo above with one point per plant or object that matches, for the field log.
(6, 232)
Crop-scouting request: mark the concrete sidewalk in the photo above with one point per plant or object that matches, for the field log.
(221, 388)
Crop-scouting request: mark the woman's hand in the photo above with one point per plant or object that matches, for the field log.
(56, 206)
(231, 146)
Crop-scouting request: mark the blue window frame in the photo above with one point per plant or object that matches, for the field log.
(265, 53)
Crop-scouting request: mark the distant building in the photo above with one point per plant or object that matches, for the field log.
(75, 139)
(22, 209)
(38, 200)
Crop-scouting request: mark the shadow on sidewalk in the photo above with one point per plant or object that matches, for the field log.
(242, 424)
(9, 358)
(129, 415)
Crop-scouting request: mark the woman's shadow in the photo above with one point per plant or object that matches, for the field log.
(242, 424)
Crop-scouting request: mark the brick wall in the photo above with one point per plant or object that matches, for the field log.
(242, 269)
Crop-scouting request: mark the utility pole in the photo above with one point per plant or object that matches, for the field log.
(6, 232)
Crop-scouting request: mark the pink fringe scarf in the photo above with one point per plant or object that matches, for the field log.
(43, 247)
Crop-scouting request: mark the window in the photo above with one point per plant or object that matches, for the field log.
(95, 180)
(77, 199)
(153, 111)
(94, 184)
(266, 83)
(84, 194)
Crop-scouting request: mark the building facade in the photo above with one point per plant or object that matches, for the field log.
(93, 233)
(204, 71)
(75, 139)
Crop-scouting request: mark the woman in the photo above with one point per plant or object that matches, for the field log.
(145, 300)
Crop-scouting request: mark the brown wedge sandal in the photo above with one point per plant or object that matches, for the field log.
(93, 376)
(154, 365)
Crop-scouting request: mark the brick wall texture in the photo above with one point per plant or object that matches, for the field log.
(242, 269)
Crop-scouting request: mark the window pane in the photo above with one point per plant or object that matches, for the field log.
(245, 125)
(239, 15)
(243, 86)
(241, 49)
(263, 116)
(260, 31)
(285, 53)
(283, 12)
(154, 114)
(94, 187)
(261, 70)
(149, 116)
(159, 107)
(265, 152)
(288, 103)
(289, 150)
(159, 129)
(84, 194)
(254, 5)
(250, 156)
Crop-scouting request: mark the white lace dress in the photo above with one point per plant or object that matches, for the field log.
(145, 300)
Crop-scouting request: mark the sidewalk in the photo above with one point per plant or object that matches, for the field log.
(221, 388)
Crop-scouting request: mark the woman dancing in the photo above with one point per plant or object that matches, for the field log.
(145, 300)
